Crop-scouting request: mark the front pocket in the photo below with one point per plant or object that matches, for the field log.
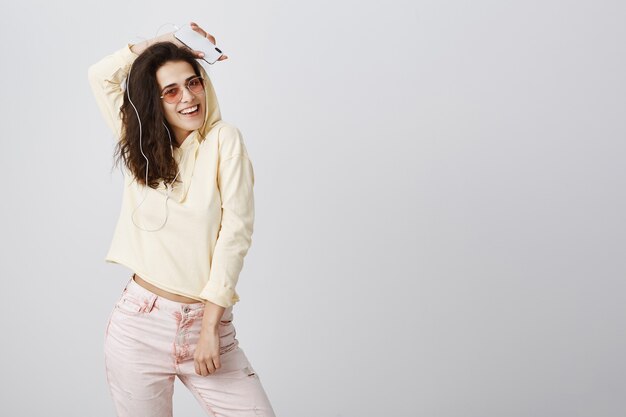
(128, 304)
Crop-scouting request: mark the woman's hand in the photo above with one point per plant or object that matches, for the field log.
(169, 37)
(207, 355)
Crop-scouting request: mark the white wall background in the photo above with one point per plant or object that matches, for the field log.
(440, 203)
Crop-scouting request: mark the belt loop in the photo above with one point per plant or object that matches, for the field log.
(151, 302)
(128, 283)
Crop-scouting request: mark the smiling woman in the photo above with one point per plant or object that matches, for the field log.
(175, 314)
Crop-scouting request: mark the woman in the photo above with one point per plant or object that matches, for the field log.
(184, 229)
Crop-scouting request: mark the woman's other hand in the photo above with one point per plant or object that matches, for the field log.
(207, 355)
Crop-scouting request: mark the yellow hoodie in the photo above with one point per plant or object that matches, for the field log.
(207, 220)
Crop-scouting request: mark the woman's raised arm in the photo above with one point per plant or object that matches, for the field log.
(106, 76)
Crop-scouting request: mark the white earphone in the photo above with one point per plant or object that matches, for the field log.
(169, 187)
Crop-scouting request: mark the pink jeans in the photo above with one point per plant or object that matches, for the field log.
(149, 340)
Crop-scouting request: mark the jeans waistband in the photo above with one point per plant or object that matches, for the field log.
(151, 298)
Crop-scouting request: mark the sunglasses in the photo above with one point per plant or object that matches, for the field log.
(173, 95)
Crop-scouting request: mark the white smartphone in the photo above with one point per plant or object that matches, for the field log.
(197, 42)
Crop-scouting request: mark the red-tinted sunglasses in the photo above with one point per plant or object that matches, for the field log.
(175, 94)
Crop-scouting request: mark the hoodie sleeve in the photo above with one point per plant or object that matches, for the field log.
(236, 182)
(105, 78)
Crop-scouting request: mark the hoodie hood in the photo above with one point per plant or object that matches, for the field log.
(213, 115)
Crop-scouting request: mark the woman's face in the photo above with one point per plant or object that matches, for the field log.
(176, 74)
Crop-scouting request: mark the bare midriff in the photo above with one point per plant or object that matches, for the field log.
(162, 293)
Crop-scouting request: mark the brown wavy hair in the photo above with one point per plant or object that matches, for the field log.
(144, 91)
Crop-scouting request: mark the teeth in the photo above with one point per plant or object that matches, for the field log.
(189, 110)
